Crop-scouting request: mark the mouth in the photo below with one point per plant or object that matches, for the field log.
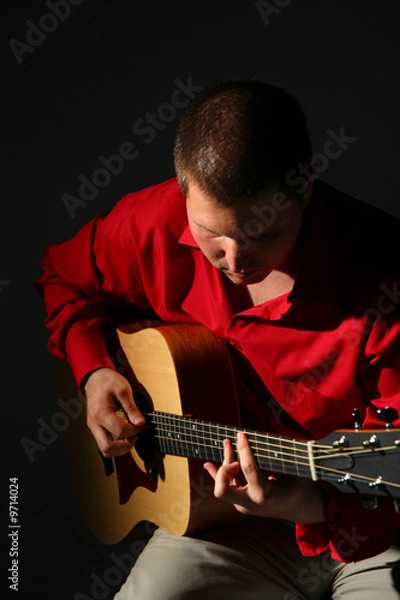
(245, 275)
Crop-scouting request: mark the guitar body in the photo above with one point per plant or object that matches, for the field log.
(180, 369)
(182, 380)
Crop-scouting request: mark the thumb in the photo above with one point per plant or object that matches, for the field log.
(131, 413)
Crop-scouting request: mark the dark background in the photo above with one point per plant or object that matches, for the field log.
(76, 96)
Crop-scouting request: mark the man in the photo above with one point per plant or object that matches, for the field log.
(301, 281)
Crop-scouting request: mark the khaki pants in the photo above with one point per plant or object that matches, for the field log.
(257, 560)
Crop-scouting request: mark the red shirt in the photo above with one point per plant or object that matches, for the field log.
(303, 361)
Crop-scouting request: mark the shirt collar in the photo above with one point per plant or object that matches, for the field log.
(187, 238)
(326, 275)
(313, 281)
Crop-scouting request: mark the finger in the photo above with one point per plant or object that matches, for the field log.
(229, 453)
(103, 415)
(133, 414)
(247, 461)
(226, 481)
(109, 446)
(117, 424)
(227, 473)
(228, 458)
(211, 469)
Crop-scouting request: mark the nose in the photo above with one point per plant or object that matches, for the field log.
(236, 255)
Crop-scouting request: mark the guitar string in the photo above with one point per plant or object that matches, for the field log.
(332, 472)
(269, 447)
(225, 429)
(163, 428)
(357, 451)
(183, 422)
(266, 445)
(342, 452)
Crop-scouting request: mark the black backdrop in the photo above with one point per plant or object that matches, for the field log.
(77, 78)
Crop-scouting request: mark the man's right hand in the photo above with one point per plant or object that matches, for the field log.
(106, 392)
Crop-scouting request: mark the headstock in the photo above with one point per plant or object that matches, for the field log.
(362, 461)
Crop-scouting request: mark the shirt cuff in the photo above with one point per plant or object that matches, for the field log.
(86, 353)
(351, 532)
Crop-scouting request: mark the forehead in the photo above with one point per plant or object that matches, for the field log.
(271, 209)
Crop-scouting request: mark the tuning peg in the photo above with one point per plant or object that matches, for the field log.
(373, 442)
(357, 419)
(387, 415)
(376, 483)
(343, 442)
(346, 480)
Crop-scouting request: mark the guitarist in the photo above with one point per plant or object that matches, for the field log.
(302, 281)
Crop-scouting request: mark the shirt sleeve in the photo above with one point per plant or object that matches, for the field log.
(353, 532)
(83, 277)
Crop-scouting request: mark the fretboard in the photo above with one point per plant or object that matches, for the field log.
(193, 438)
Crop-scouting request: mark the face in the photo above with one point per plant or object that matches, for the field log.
(248, 241)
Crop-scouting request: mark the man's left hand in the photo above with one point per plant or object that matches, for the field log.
(258, 493)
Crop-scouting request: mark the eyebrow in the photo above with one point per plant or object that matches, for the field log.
(261, 234)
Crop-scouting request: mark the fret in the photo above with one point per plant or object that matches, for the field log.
(184, 436)
(202, 441)
(265, 462)
(168, 437)
(195, 440)
(160, 437)
(157, 438)
(297, 472)
(181, 439)
(256, 450)
(275, 461)
(215, 443)
(230, 433)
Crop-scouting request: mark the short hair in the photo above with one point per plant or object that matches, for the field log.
(237, 138)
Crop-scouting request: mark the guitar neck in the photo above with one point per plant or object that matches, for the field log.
(193, 438)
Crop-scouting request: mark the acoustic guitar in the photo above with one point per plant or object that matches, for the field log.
(182, 380)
